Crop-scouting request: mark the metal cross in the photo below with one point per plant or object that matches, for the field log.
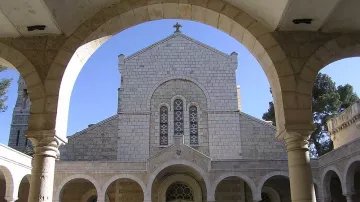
(177, 27)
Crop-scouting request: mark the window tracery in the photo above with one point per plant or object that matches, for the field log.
(179, 191)
(164, 125)
(193, 122)
(178, 117)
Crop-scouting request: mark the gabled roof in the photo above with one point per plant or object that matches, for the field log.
(257, 120)
(93, 126)
(177, 34)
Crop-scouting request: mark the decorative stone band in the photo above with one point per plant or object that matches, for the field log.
(345, 124)
(345, 118)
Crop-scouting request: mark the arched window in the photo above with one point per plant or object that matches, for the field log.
(179, 191)
(178, 117)
(193, 123)
(164, 125)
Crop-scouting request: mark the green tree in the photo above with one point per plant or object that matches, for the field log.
(4, 84)
(327, 101)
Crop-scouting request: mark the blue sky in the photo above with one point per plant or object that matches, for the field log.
(94, 96)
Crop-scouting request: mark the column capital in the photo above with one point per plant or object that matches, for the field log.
(291, 129)
(349, 196)
(10, 199)
(296, 136)
(45, 142)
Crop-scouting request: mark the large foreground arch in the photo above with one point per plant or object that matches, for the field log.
(100, 27)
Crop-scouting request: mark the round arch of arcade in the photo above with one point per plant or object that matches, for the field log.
(60, 187)
(325, 180)
(12, 58)
(189, 181)
(268, 176)
(248, 180)
(124, 176)
(257, 38)
(338, 48)
(349, 174)
(199, 171)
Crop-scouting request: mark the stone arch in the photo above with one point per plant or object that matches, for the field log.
(125, 176)
(90, 193)
(200, 85)
(268, 176)
(349, 172)
(273, 194)
(10, 190)
(325, 180)
(10, 57)
(24, 188)
(338, 48)
(60, 187)
(241, 176)
(251, 33)
(191, 182)
(199, 170)
(176, 97)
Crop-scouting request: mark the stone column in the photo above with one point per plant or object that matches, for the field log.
(10, 199)
(349, 197)
(301, 182)
(46, 146)
(101, 198)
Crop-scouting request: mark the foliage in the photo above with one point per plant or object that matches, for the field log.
(327, 101)
(4, 85)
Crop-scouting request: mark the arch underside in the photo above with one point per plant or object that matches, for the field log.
(251, 33)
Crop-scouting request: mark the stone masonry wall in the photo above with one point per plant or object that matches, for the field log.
(125, 190)
(193, 95)
(232, 189)
(225, 136)
(133, 137)
(178, 56)
(96, 143)
(258, 139)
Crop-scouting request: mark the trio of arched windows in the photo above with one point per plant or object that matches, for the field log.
(178, 122)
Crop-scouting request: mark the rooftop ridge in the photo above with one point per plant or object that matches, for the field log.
(257, 120)
(93, 126)
(177, 34)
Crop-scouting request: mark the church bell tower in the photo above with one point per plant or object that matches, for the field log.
(19, 123)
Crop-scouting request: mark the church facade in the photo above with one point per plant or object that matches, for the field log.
(178, 127)
(179, 135)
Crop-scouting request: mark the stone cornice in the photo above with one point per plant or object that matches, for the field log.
(344, 119)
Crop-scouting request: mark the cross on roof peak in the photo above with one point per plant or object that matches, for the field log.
(177, 27)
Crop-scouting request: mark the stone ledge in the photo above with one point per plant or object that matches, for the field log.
(345, 118)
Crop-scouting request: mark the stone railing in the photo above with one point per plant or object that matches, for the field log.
(345, 118)
(15, 157)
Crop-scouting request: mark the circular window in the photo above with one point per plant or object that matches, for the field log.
(179, 191)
